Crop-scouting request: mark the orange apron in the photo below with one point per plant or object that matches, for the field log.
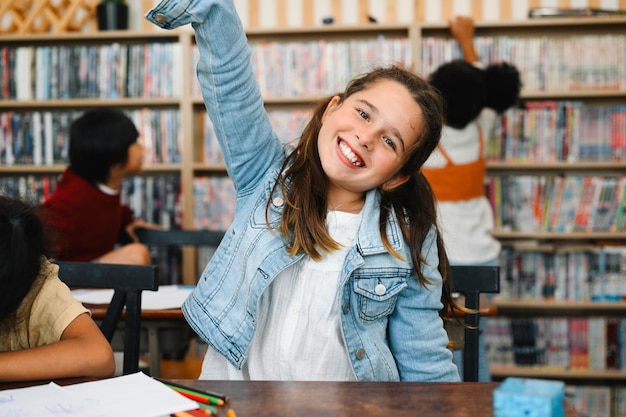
(458, 182)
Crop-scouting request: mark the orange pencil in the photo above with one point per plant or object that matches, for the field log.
(231, 413)
(197, 413)
(182, 414)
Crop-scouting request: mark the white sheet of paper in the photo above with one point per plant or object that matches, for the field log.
(48, 400)
(134, 395)
(167, 297)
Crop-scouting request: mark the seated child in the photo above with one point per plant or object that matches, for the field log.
(85, 208)
(45, 333)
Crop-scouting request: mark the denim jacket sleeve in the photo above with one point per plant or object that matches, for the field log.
(416, 333)
(229, 87)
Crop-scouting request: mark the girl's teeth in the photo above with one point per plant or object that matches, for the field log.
(347, 152)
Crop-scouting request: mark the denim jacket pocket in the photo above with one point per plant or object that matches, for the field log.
(377, 292)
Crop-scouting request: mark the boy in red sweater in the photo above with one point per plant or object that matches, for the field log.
(85, 209)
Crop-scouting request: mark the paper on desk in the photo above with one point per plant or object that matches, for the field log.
(167, 297)
(43, 401)
(135, 395)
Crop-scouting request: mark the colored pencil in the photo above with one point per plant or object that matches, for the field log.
(197, 397)
(182, 414)
(208, 407)
(223, 397)
(198, 413)
(231, 413)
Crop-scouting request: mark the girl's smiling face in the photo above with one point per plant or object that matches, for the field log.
(364, 141)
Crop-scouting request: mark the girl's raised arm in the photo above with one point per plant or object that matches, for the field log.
(229, 87)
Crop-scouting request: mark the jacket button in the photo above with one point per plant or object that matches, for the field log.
(380, 289)
(360, 354)
(160, 18)
(345, 308)
(278, 201)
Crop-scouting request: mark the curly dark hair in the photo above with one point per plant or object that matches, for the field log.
(467, 89)
(503, 86)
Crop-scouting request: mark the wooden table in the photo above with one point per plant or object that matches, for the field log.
(342, 399)
(358, 399)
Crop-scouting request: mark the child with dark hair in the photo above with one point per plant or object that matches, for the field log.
(44, 332)
(473, 97)
(85, 208)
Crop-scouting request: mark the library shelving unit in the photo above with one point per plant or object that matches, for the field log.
(51, 78)
(562, 61)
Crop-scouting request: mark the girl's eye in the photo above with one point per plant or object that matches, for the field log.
(389, 142)
(363, 114)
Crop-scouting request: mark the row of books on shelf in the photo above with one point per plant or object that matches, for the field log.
(214, 202)
(32, 188)
(42, 137)
(541, 131)
(156, 199)
(287, 124)
(568, 274)
(152, 69)
(318, 67)
(112, 71)
(597, 400)
(560, 131)
(571, 203)
(559, 343)
(521, 203)
(575, 62)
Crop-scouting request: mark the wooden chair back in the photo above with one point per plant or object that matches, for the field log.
(127, 282)
(471, 281)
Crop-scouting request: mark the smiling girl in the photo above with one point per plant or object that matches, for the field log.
(333, 268)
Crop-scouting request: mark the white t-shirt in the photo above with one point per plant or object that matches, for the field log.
(298, 337)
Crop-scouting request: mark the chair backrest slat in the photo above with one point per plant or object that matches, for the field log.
(180, 237)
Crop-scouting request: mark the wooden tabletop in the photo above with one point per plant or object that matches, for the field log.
(98, 311)
(342, 399)
(362, 399)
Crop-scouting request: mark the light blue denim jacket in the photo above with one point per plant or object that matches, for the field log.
(393, 336)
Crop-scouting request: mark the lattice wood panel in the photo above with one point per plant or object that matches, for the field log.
(37, 16)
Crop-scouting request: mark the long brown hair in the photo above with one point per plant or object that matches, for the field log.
(303, 181)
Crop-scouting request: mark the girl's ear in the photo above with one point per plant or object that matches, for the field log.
(396, 181)
(332, 104)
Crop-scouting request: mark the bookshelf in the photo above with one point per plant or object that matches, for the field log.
(561, 282)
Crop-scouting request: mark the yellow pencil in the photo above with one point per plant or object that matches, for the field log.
(231, 413)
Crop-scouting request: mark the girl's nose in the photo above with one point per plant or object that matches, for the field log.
(366, 138)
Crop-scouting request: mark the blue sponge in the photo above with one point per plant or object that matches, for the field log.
(526, 397)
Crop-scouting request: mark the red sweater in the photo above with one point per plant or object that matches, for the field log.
(87, 221)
